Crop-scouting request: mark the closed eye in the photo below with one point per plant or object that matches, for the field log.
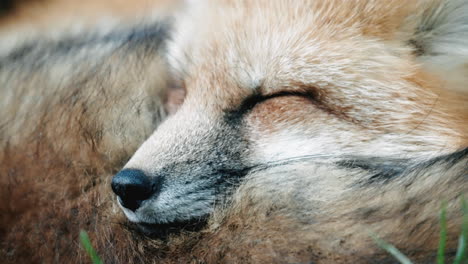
(250, 102)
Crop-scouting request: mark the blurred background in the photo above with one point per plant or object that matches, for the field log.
(50, 13)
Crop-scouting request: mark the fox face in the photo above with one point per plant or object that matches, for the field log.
(269, 84)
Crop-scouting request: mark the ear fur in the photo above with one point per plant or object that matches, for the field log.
(440, 41)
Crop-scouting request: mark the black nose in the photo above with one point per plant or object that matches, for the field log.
(132, 187)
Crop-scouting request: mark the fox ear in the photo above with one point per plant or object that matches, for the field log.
(440, 41)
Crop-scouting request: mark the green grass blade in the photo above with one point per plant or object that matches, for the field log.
(392, 250)
(443, 234)
(84, 238)
(462, 241)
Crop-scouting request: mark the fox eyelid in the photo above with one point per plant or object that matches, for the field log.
(250, 102)
(262, 98)
(306, 94)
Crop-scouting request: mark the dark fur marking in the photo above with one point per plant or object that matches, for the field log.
(150, 37)
(7, 6)
(233, 117)
(419, 48)
(380, 170)
(449, 159)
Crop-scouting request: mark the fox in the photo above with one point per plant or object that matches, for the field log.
(235, 131)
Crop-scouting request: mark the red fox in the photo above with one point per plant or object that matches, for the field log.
(262, 131)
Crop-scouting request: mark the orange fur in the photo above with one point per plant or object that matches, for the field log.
(57, 159)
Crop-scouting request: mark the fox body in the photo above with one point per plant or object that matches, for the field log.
(291, 129)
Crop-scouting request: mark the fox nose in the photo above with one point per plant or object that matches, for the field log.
(132, 187)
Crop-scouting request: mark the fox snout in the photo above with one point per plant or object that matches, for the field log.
(179, 172)
(132, 187)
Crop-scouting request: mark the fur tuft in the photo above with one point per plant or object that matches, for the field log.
(441, 41)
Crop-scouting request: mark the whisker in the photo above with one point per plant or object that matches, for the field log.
(282, 162)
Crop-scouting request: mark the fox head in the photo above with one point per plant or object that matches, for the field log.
(268, 83)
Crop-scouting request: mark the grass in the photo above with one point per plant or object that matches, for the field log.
(461, 255)
(392, 250)
(443, 234)
(84, 238)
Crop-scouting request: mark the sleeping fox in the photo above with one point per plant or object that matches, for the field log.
(286, 131)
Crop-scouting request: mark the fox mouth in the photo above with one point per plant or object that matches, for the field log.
(164, 230)
(161, 230)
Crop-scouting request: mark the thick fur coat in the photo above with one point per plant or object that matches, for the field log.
(276, 132)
